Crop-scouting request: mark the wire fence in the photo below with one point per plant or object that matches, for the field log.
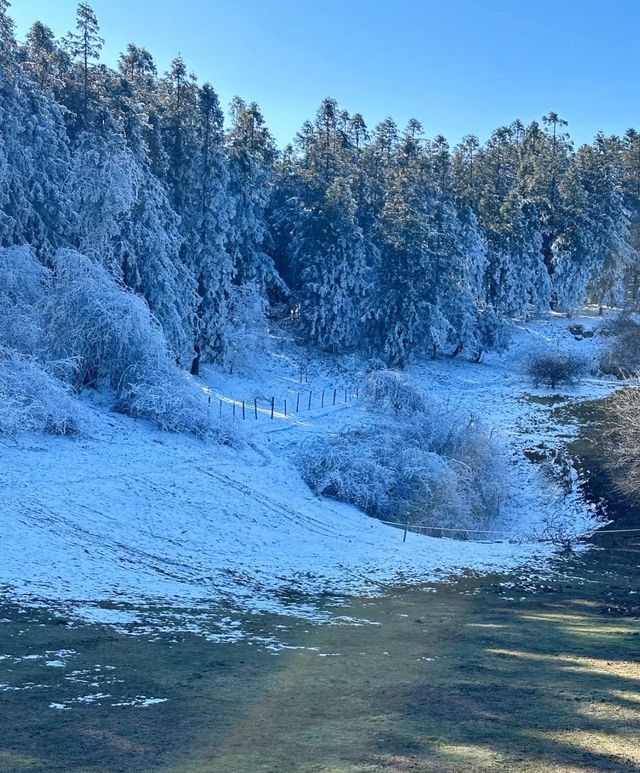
(497, 536)
(295, 403)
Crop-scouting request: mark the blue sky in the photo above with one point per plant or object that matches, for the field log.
(459, 66)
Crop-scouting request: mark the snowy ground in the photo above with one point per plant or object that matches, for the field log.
(125, 517)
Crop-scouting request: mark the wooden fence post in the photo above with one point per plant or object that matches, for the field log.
(234, 409)
(255, 407)
(309, 400)
(285, 407)
(334, 396)
(322, 400)
(298, 403)
(243, 417)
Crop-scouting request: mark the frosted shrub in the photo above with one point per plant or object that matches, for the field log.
(426, 490)
(622, 357)
(248, 321)
(31, 400)
(111, 335)
(492, 333)
(166, 398)
(345, 468)
(622, 434)
(390, 392)
(555, 369)
(107, 329)
(443, 472)
(23, 284)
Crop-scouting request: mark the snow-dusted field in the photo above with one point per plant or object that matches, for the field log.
(126, 516)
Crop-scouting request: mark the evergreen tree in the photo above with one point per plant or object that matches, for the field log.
(330, 258)
(592, 253)
(251, 154)
(409, 320)
(85, 45)
(202, 199)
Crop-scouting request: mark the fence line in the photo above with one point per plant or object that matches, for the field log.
(278, 408)
(505, 536)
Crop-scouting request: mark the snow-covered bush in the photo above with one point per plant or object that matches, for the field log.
(31, 400)
(346, 468)
(106, 329)
(555, 368)
(250, 335)
(492, 333)
(439, 469)
(622, 436)
(621, 358)
(166, 398)
(390, 392)
(116, 343)
(23, 284)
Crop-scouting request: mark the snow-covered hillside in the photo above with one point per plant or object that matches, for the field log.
(127, 515)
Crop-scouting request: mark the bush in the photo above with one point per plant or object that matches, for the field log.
(492, 333)
(390, 392)
(31, 400)
(89, 331)
(24, 283)
(166, 398)
(622, 437)
(346, 468)
(554, 369)
(105, 328)
(441, 470)
(622, 357)
(116, 343)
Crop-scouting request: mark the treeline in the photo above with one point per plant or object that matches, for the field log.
(378, 240)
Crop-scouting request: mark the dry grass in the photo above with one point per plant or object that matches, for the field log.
(622, 441)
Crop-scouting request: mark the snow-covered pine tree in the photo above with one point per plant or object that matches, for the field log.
(330, 259)
(516, 279)
(591, 253)
(103, 185)
(458, 253)
(34, 156)
(203, 200)
(409, 319)
(251, 153)
(84, 46)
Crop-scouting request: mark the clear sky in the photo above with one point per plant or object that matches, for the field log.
(459, 66)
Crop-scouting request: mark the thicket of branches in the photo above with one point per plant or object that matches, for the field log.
(555, 368)
(623, 440)
(72, 326)
(431, 466)
(621, 357)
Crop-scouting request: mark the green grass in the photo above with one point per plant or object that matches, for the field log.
(475, 676)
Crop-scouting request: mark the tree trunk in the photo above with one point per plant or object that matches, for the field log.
(195, 364)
